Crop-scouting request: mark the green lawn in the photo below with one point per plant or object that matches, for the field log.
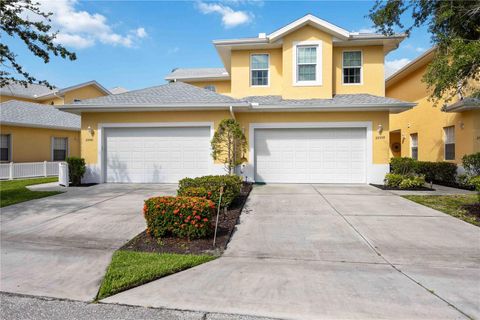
(451, 205)
(15, 191)
(129, 269)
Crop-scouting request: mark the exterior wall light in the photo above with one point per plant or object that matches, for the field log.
(380, 129)
(90, 130)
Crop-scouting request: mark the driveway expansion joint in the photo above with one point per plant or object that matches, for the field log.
(391, 264)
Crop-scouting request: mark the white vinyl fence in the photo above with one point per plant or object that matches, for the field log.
(29, 169)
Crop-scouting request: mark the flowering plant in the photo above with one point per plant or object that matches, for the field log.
(183, 217)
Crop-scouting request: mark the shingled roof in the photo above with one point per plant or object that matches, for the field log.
(28, 114)
(170, 94)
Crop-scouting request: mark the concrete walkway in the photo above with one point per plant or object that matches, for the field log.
(335, 252)
(60, 246)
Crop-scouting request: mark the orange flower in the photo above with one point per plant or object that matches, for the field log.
(205, 219)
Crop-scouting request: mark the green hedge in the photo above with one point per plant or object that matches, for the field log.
(184, 217)
(211, 186)
(443, 172)
(471, 164)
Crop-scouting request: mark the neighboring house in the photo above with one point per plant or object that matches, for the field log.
(42, 94)
(32, 130)
(429, 131)
(309, 96)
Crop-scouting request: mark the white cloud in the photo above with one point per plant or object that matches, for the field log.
(420, 49)
(230, 17)
(81, 29)
(393, 65)
(141, 33)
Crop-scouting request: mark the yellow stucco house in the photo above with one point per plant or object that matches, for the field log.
(310, 97)
(431, 132)
(32, 130)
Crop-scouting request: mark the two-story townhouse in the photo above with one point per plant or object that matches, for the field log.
(309, 96)
(31, 130)
(431, 131)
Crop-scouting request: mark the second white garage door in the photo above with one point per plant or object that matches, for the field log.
(326, 155)
(156, 155)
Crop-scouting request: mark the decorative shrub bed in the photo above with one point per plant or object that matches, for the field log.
(395, 181)
(162, 237)
(209, 187)
(184, 217)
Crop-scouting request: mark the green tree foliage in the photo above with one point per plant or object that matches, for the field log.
(455, 31)
(229, 144)
(24, 20)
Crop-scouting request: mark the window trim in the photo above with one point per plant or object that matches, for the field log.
(10, 147)
(361, 68)
(251, 70)
(52, 144)
(445, 143)
(319, 69)
(411, 145)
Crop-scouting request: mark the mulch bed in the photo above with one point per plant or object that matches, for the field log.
(226, 226)
(455, 185)
(384, 187)
(473, 210)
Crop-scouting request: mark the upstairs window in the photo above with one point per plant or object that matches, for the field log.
(5, 147)
(414, 146)
(259, 70)
(306, 63)
(210, 88)
(352, 67)
(449, 133)
(59, 149)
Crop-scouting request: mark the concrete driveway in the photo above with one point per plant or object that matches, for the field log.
(335, 252)
(60, 246)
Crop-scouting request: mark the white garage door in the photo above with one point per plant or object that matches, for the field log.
(156, 155)
(327, 155)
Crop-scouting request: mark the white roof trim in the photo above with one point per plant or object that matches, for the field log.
(310, 19)
(77, 86)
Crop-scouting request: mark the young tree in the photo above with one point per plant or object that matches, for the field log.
(23, 19)
(455, 31)
(229, 144)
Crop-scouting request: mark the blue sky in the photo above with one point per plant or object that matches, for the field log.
(134, 44)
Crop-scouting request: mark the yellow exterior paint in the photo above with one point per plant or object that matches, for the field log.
(221, 87)
(35, 144)
(428, 121)
(282, 68)
(31, 144)
(89, 142)
(240, 74)
(4, 98)
(372, 71)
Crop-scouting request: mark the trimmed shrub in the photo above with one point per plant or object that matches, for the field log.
(475, 181)
(443, 172)
(437, 171)
(471, 164)
(393, 179)
(412, 182)
(211, 184)
(183, 217)
(76, 169)
(403, 165)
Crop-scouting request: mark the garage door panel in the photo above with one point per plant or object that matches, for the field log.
(323, 155)
(156, 155)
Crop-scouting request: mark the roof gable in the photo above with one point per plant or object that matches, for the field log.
(313, 21)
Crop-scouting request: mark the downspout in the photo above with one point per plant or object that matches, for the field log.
(232, 113)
